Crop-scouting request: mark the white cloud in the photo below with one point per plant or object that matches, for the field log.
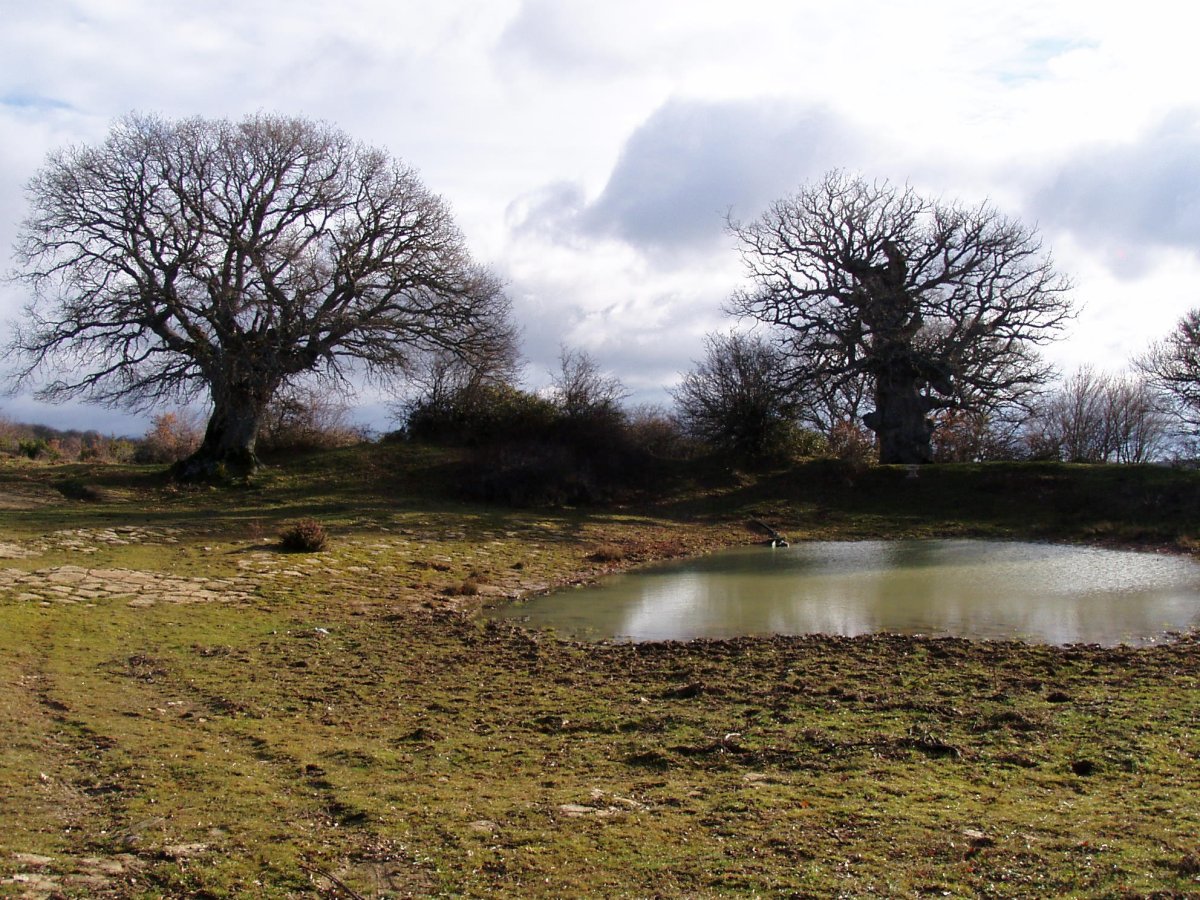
(1131, 199)
(589, 150)
(642, 322)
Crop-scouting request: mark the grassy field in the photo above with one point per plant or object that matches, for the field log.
(186, 711)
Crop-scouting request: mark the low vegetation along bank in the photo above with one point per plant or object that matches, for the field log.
(190, 711)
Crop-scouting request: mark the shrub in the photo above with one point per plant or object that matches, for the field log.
(852, 444)
(10, 436)
(655, 431)
(304, 536)
(607, 553)
(39, 448)
(302, 418)
(734, 400)
(469, 588)
(97, 448)
(41, 442)
(808, 443)
(172, 436)
(74, 489)
(481, 415)
(530, 475)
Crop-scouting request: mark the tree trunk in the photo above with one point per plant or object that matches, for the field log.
(900, 420)
(227, 450)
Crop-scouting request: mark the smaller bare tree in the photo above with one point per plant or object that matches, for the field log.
(582, 389)
(736, 398)
(1097, 417)
(1173, 366)
(1137, 420)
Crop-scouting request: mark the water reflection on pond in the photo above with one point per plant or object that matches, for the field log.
(978, 589)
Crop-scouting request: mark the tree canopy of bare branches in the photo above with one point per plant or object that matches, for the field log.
(1173, 365)
(582, 390)
(1096, 417)
(179, 258)
(735, 399)
(939, 306)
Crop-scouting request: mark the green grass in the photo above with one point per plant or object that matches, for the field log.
(354, 729)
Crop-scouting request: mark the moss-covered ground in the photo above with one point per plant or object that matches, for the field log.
(230, 720)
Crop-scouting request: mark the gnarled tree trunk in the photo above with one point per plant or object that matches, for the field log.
(900, 420)
(227, 450)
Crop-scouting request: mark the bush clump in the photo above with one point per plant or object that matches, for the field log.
(469, 588)
(304, 536)
(608, 553)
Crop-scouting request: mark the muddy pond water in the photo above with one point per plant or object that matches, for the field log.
(1044, 593)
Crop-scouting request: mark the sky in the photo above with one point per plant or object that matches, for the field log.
(592, 151)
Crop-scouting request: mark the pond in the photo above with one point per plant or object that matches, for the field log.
(1043, 593)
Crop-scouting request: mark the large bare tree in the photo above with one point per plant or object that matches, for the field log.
(179, 258)
(936, 305)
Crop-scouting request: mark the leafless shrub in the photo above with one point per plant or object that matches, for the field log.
(304, 536)
(656, 431)
(607, 553)
(852, 444)
(172, 436)
(307, 418)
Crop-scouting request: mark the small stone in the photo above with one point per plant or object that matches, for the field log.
(107, 866)
(977, 837)
(183, 851)
(575, 810)
(32, 859)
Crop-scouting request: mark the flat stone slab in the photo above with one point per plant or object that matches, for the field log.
(71, 584)
(15, 551)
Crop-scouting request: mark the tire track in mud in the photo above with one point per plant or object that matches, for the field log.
(84, 795)
(312, 807)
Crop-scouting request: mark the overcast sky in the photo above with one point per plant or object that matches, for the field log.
(591, 150)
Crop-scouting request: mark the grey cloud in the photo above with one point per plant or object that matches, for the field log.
(77, 416)
(548, 34)
(645, 360)
(547, 211)
(693, 162)
(644, 340)
(1133, 197)
(680, 173)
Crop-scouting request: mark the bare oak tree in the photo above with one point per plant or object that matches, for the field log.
(937, 305)
(230, 258)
